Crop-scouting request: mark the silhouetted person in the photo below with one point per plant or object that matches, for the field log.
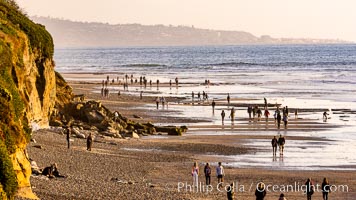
(309, 188)
(67, 132)
(89, 142)
(222, 116)
(213, 105)
(228, 98)
(274, 143)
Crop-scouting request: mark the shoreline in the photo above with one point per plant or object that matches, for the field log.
(155, 164)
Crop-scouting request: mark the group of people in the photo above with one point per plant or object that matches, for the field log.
(199, 96)
(278, 142)
(310, 188)
(67, 130)
(161, 100)
(220, 173)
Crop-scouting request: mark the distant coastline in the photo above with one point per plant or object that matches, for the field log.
(68, 33)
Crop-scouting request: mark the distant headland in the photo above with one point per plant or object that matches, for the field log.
(68, 33)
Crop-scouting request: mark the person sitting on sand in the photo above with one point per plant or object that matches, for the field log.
(48, 171)
(56, 172)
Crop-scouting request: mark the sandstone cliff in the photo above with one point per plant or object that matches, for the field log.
(27, 94)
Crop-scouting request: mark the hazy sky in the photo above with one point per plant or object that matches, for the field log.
(334, 19)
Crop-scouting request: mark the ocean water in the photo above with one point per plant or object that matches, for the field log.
(299, 76)
(326, 72)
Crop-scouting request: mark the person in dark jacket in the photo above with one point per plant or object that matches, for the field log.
(207, 172)
(325, 187)
(260, 192)
(309, 188)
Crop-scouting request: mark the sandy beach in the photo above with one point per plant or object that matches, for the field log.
(159, 166)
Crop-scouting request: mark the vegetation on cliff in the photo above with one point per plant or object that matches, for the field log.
(17, 33)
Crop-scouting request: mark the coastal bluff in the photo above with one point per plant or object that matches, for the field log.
(27, 94)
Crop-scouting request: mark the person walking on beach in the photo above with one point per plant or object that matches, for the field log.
(213, 105)
(157, 101)
(192, 96)
(222, 116)
(232, 114)
(296, 113)
(260, 191)
(68, 132)
(325, 188)
(279, 118)
(228, 98)
(325, 116)
(141, 94)
(259, 114)
(266, 115)
(265, 100)
(281, 142)
(274, 145)
(176, 81)
(309, 188)
(285, 120)
(249, 111)
(220, 174)
(89, 142)
(207, 172)
(195, 174)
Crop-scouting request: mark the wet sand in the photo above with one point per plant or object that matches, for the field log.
(157, 164)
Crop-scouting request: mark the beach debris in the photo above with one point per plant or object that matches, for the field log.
(38, 146)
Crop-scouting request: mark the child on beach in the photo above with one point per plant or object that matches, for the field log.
(195, 174)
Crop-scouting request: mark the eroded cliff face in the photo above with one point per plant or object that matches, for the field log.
(27, 95)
